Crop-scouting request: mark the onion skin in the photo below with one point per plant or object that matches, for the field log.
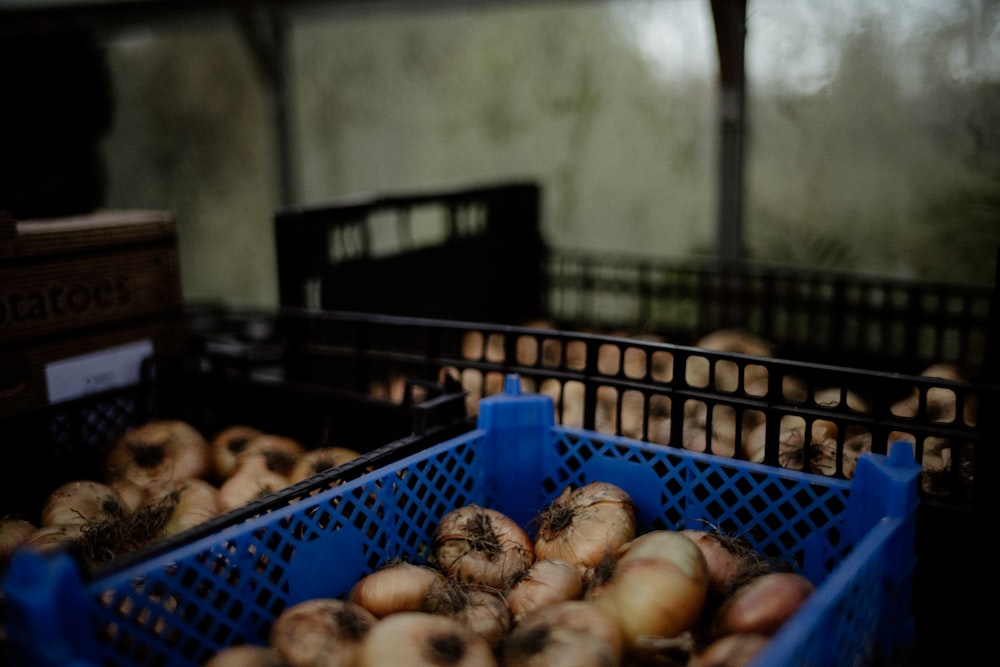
(421, 639)
(730, 562)
(546, 582)
(81, 502)
(51, 538)
(486, 614)
(651, 597)
(247, 655)
(658, 587)
(724, 565)
(157, 452)
(398, 586)
(249, 483)
(316, 461)
(584, 525)
(276, 452)
(13, 533)
(735, 650)
(226, 446)
(132, 495)
(571, 633)
(321, 632)
(481, 546)
(482, 610)
(762, 605)
(198, 501)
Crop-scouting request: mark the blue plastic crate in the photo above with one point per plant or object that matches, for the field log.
(855, 540)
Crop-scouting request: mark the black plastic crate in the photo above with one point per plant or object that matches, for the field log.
(472, 253)
(235, 370)
(478, 254)
(838, 318)
(639, 389)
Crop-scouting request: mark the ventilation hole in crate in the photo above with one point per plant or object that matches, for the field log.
(576, 355)
(471, 219)
(265, 598)
(551, 353)
(527, 350)
(755, 379)
(608, 359)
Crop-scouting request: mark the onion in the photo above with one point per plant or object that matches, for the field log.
(761, 605)
(657, 588)
(480, 545)
(226, 446)
(421, 639)
(250, 482)
(547, 581)
(316, 461)
(247, 655)
(81, 502)
(321, 632)
(14, 532)
(735, 650)
(197, 502)
(791, 443)
(132, 495)
(51, 538)
(571, 633)
(482, 610)
(277, 453)
(158, 451)
(695, 429)
(583, 525)
(397, 586)
(730, 561)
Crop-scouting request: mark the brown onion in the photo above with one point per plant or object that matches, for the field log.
(226, 446)
(583, 525)
(81, 502)
(481, 546)
(730, 561)
(316, 461)
(482, 610)
(571, 633)
(657, 588)
(157, 452)
(397, 586)
(132, 495)
(546, 582)
(249, 483)
(197, 502)
(325, 632)
(735, 650)
(14, 532)
(247, 655)
(277, 453)
(50, 538)
(421, 639)
(762, 605)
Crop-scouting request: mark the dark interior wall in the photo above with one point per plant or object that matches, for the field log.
(58, 105)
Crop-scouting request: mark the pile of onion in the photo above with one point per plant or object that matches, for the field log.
(601, 595)
(161, 478)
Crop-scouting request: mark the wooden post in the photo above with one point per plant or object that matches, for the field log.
(730, 35)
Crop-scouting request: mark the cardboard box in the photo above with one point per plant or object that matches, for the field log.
(83, 300)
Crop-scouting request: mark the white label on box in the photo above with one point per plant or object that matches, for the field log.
(98, 371)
